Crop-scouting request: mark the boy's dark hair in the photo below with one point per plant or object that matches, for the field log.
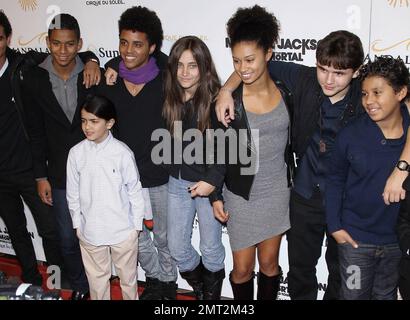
(253, 24)
(5, 23)
(64, 21)
(394, 71)
(101, 107)
(142, 19)
(340, 50)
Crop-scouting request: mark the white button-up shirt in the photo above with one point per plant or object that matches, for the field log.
(104, 193)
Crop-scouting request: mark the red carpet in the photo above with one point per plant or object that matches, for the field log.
(11, 268)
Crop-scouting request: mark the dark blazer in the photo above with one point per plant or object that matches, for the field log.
(403, 231)
(22, 63)
(51, 133)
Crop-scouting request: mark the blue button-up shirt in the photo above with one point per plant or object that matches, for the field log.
(314, 165)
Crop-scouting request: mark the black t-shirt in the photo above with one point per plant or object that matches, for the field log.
(200, 169)
(137, 118)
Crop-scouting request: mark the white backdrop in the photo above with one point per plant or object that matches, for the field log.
(382, 25)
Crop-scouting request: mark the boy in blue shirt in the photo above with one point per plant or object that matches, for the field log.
(364, 155)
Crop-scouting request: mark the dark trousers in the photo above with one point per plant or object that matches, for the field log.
(12, 188)
(70, 247)
(404, 288)
(305, 238)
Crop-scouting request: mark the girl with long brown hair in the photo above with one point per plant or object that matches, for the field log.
(190, 88)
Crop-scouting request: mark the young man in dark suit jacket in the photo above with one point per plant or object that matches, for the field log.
(53, 95)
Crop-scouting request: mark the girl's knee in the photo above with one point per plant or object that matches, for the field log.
(243, 273)
(269, 268)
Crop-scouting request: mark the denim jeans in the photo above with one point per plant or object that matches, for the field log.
(153, 254)
(70, 247)
(181, 215)
(369, 272)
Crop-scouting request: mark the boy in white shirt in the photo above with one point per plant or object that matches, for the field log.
(106, 201)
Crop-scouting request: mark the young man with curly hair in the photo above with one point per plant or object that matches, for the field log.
(138, 97)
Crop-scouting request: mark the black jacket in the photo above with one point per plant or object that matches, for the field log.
(44, 123)
(15, 155)
(235, 181)
(308, 98)
(51, 133)
(14, 147)
(20, 62)
(403, 231)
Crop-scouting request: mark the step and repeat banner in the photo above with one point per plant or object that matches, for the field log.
(382, 25)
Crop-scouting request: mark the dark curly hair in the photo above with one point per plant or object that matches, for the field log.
(5, 23)
(340, 49)
(253, 24)
(394, 71)
(142, 19)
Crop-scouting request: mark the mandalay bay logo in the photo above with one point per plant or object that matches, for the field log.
(41, 40)
(28, 4)
(399, 3)
(36, 43)
(379, 46)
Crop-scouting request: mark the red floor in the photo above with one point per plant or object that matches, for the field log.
(12, 269)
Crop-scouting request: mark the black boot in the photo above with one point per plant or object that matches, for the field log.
(268, 287)
(169, 290)
(213, 284)
(242, 291)
(194, 279)
(152, 290)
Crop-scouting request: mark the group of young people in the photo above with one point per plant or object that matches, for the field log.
(280, 148)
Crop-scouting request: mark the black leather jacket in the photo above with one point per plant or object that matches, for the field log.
(235, 181)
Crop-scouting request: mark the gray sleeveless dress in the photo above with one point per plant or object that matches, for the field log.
(266, 214)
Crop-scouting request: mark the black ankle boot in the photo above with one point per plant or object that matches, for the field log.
(268, 287)
(242, 291)
(213, 284)
(195, 280)
(152, 290)
(169, 290)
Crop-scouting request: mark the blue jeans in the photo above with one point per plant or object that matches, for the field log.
(153, 255)
(70, 248)
(181, 215)
(370, 272)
